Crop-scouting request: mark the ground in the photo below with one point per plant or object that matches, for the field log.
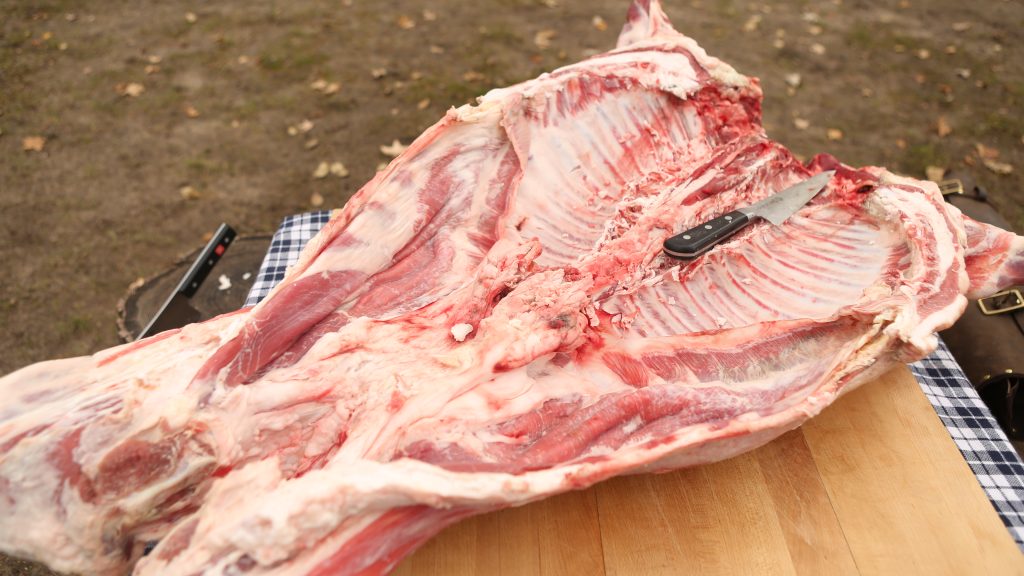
(129, 130)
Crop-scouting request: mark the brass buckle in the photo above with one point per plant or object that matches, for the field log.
(949, 187)
(1002, 302)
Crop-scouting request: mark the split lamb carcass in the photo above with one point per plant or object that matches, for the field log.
(491, 321)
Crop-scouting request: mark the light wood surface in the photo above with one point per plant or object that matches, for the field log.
(873, 485)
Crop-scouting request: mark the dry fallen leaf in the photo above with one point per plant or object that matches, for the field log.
(997, 166)
(415, 75)
(151, 69)
(950, 49)
(752, 23)
(815, 30)
(834, 134)
(316, 199)
(867, 92)
(435, 49)
(322, 170)
(62, 46)
(961, 26)
(378, 73)
(818, 48)
(394, 149)
(154, 59)
(542, 39)
(779, 43)
(792, 80)
(305, 126)
(324, 87)
(923, 54)
(920, 78)
(472, 76)
(986, 152)
(801, 124)
(942, 127)
(191, 111)
(599, 23)
(311, 143)
(244, 60)
(189, 193)
(381, 166)
(429, 15)
(934, 173)
(191, 17)
(338, 169)
(423, 104)
(33, 143)
(132, 89)
(901, 143)
(406, 23)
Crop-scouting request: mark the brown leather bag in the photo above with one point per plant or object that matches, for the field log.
(988, 340)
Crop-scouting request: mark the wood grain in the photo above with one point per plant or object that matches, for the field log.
(692, 519)
(873, 485)
(904, 496)
(809, 524)
(559, 535)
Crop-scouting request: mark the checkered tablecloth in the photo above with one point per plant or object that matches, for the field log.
(983, 444)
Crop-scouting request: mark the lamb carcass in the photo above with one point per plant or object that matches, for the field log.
(491, 321)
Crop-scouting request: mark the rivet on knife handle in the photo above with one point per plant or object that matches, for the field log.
(206, 260)
(700, 238)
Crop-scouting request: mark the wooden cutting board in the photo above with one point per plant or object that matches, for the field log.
(873, 485)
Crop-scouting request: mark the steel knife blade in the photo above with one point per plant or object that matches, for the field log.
(177, 310)
(775, 209)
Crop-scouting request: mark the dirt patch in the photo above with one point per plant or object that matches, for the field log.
(101, 203)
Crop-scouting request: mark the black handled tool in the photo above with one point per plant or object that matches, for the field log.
(177, 311)
(775, 208)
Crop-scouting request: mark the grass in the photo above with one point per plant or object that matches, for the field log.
(999, 123)
(917, 157)
(293, 55)
(501, 34)
(862, 36)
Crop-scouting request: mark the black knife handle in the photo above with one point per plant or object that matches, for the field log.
(700, 238)
(207, 258)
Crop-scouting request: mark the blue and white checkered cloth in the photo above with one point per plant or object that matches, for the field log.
(976, 433)
(983, 444)
(294, 232)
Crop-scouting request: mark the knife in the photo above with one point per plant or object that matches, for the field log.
(775, 209)
(178, 311)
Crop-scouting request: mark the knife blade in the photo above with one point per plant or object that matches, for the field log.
(775, 209)
(177, 310)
